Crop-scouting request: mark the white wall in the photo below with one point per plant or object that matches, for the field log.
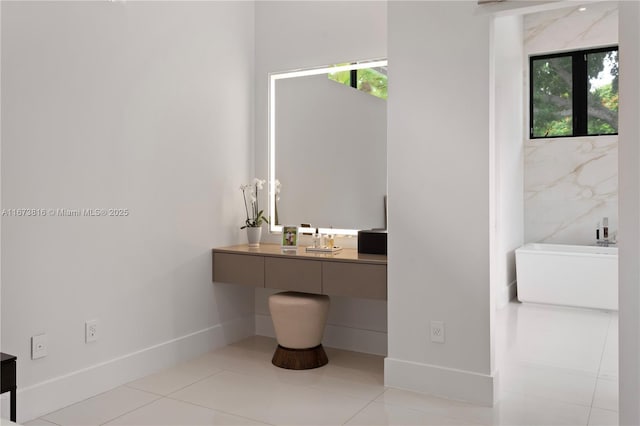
(629, 263)
(439, 192)
(143, 106)
(1, 108)
(331, 155)
(508, 165)
(570, 183)
(299, 34)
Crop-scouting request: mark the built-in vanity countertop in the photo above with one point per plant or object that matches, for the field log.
(345, 273)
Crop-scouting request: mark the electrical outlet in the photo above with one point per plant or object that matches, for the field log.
(38, 346)
(91, 331)
(437, 331)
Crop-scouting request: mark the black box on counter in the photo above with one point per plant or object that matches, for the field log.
(373, 241)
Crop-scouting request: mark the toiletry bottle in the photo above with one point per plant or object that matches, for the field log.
(598, 231)
(315, 240)
(605, 228)
(330, 241)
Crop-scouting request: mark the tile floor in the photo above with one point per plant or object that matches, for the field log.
(559, 367)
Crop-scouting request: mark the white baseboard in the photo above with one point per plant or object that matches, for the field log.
(440, 381)
(335, 336)
(50, 395)
(507, 294)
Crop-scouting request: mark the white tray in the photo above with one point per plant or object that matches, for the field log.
(324, 249)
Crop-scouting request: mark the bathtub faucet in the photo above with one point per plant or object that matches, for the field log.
(605, 241)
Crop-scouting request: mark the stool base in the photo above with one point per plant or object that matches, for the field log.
(300, 359)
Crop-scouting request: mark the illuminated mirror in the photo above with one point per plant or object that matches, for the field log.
(328, 147)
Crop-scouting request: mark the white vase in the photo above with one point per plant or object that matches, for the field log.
(253, 236)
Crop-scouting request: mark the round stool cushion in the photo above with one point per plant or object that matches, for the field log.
(298, 318)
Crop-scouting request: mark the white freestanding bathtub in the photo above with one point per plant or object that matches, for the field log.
(583, 276)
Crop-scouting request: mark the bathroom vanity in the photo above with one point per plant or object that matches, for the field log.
(346, 273)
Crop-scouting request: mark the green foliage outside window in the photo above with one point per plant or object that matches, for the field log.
(369, 80)
(343, 77)
(602, 100)
(372, 81)
(554, 106)
(552, 97)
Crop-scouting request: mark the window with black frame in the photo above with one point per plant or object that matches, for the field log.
(574, 93)
(368, 80)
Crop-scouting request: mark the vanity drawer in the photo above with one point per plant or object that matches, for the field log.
(354, 280)
(293, 274)
(238, 269)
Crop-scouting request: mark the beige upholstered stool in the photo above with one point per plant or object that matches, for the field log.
(299, 319)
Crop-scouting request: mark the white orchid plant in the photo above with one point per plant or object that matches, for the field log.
(278, 188)
(250, 191)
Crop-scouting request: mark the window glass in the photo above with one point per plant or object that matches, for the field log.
(574, 93)
(552, 80)
(343, 77)
(374, 81)
(369, 80)
(602, 99)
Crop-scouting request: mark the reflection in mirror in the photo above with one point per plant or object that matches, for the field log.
(328, 147)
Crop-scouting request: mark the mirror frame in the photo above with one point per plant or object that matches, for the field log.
(273, 77)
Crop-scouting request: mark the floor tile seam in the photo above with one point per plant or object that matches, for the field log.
(259, 376)
(265, 378)
(193, 383)
(229, 413)
(357, 412)
(131, 411)
(335, 371)
(608, 379)
(593, 397)
(377, 399)
(606, 409)
(291, 387)
(436, 410)
(48, 421)
(609, 376)
(602, 408)
(76, 403)
(416, 410)
(589, 416)
(319, 388)
(127, 385)
(91, 397)
(606, 340)
(380, 394)
(347, 393)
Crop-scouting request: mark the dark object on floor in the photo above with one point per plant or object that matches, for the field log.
(300, 359)
(8, 380)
